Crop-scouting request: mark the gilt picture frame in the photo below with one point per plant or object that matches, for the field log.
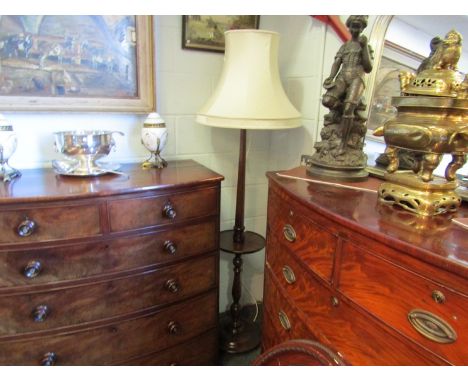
(206, 32)
(77, 63)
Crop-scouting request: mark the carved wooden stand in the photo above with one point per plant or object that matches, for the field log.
(238, 335)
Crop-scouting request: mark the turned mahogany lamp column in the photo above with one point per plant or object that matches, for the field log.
(249, 95)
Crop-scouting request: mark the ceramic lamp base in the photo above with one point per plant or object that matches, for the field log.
(155, 161)
(7, 173)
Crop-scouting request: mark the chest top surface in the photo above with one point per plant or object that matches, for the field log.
(45, 184)
(438, 240)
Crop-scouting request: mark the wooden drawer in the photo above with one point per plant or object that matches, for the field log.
(357, 337)
(282, 316)
(293, 277)
(120, 341)
(105, 257)
(91, 302)
(186, 354)
(314, 245)
(270, 337)
(51, 223)
(129, 214)
(376, 284)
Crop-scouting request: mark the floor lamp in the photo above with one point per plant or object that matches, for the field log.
(249, 95)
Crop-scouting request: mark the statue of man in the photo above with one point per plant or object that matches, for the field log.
(345, 85)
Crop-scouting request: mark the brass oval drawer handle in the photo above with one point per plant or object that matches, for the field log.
(170, 247)
(289, 275)
(40, 313)
(26, 227)
(438, 296)
(32, 269)
(172, 286)
(49, 359)
(284, 320)
(432, 327)
(169, 211)
(289, 233)
(173, 328)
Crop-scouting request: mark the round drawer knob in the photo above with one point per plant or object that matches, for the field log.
(284, 320)
(438, 296)
(289, 233)
(26, 228)
(172, 286)
(170, 247)
(173, 328)
(40, 313)
(169, 211)
(32, 269)
(49, 359)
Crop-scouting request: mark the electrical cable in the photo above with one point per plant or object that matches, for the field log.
(254, 300)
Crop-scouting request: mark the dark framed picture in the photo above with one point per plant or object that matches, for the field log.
(76, 63)
(203, 32)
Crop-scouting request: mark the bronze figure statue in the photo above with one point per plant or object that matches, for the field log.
(340, 154)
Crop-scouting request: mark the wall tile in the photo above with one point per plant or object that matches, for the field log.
(225, 140)
(304, 93)
(165, 38)
(256, 167)
(191, 137)
(226, 164)
(180, 93)
(256, 200)
(258, 140)
(228, 203)
(203, 159)
(168, 21)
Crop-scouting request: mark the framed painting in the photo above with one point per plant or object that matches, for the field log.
(76, 63)
(203, 32)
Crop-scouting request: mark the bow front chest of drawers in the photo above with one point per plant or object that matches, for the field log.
(375, 285)
(110, 270)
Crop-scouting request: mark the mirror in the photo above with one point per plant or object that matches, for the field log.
(401, 43)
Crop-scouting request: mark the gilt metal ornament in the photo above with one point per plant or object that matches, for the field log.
(432, 120)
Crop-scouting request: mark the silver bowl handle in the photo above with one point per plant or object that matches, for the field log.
(112, 140)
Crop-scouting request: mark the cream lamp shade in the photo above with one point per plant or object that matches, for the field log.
(249, 94)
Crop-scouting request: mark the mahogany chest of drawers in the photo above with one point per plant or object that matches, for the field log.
(111, 270)
(377, 286)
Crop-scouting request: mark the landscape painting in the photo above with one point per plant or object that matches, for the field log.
(204, 32)
(73, 57)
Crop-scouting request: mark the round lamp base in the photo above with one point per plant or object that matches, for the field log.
(244, 339)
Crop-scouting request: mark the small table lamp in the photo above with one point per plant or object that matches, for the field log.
(249, 95)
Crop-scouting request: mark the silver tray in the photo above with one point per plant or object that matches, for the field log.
(69, 168)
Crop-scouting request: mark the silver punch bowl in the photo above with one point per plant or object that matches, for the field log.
(85, 146)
